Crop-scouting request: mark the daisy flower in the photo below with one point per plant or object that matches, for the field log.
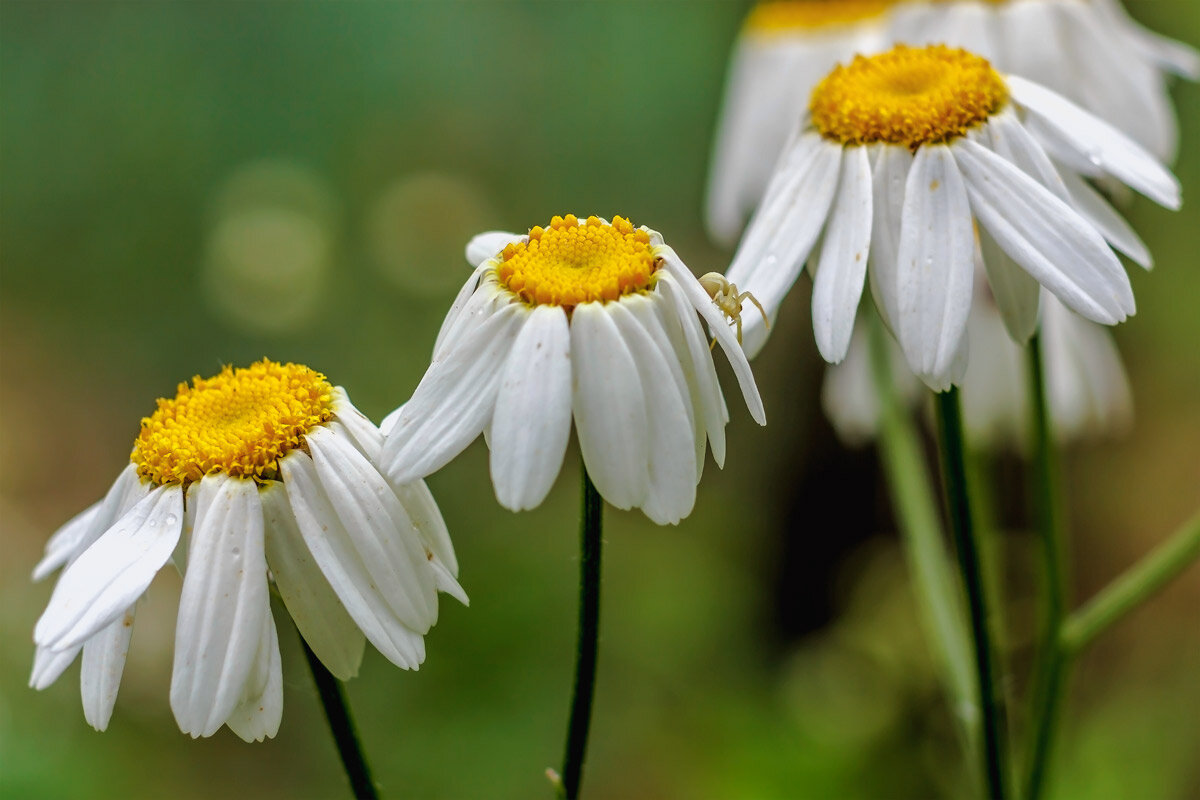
(902, 157)
(1090, 52)
(256, 476)
(582, 320)
(784, 48)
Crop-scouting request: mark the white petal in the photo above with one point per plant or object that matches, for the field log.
(366, 437)
(719, 329)
(489, 245)
(935, 265)
(889, 178)
(1104, 218)
(221, 605)
(454, 400)
(1099, 142)
(843, 265)
(310, 600)
(1015, 291)
(260, 710)
(65, 543)
(532, 422)
(478, 298)
(49, 664)
(610, 407)
(1007, 138)
(671, 490)
(426, 517)
(78, 534)
(110, 575)
(380, 528)
(1045, 236)
(100, 674)
(340, 562)
(784, 230)
(691, 348)
(653, 312)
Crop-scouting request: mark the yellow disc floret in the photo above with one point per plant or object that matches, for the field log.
(240, 422)
(783, 16)
(571, 262)
(909, 96)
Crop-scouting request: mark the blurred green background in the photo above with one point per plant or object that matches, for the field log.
(184, 185)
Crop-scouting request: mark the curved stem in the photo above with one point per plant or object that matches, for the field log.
(1133, 587)
(1051, 665)
(915, 506)
(949, 416)
(589, 630)
(333, 699)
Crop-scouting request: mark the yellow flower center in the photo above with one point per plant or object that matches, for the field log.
(910, 96)
(240, 422)
(571, 262)
(782, 16)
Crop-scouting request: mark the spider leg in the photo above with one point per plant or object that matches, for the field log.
(744, 296)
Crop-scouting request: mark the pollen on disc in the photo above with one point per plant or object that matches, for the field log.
(907, 96)
(781, 16)
(571, 262)
(239, 422)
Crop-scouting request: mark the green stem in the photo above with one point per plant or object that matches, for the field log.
(911, 488)
(589, 630)
(958, 503)
(337, 712)
(1050, 672)
(1132, 588)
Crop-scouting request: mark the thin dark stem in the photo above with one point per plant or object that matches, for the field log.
(1051, 666)
(589, 630)
(955, 479)
(342, 727)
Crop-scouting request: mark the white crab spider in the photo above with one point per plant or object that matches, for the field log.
(729, 301)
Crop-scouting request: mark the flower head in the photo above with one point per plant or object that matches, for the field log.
(585, 320)
(256, 475)
(1090, 52)
(907, 155)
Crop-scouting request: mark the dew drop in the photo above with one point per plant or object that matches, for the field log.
(171, 520)
(237, 551)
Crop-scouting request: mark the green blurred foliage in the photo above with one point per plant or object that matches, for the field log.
(184, 185)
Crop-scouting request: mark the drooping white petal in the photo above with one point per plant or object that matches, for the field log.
(477, 308)
(103, 664)
(720, 330)
(784, 230)
(844, 252)
(366, 437)
(935, 265)
(310, 600)
(889, 178)
(1015, 291)
(49, 664)
(260, 710)
(489, 245)
(609, 405)
(379, 526)
(453, 401)
(671, 486)
(78, 533)
(426, 517)
(221, 605)
(1007, 138)
(336, 554)
(1045, 236)
(64, 543)
(1105, 219)
(651, 313)
(110, 575)
(681, 323)
(1098, 141)
(532, 422)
